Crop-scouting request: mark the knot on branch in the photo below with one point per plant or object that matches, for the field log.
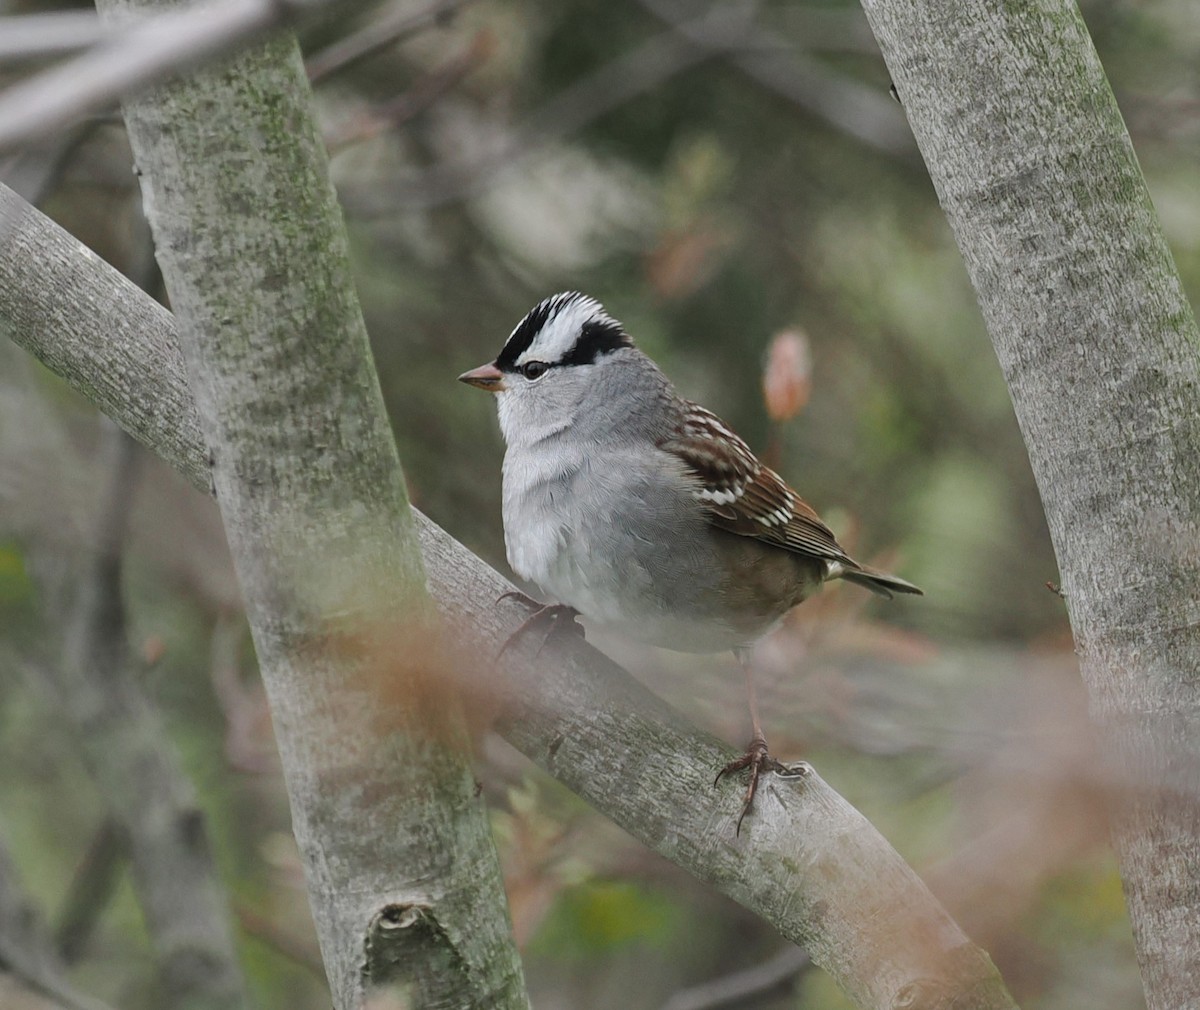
(407, 950)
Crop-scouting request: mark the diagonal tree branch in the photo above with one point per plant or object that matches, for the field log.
(807, 861)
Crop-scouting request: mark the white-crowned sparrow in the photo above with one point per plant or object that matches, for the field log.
(642, 510)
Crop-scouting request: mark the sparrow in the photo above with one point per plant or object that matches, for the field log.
(644, 512)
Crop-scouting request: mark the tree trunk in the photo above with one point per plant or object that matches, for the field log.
(1038, 178)
(253, 251)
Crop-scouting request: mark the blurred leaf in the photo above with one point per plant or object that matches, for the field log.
(602, 916)
(15, 586)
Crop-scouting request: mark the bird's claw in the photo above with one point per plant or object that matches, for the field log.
(758, 760)
(520, 597)
(559, 616)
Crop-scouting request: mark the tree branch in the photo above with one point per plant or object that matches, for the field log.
(133, 763)
(1038, 178)
(28, 962)
(737, 987)
(90, 891)
(806, 861)
(36, 36)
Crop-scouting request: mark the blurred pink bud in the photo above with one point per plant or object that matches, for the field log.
(787, 377)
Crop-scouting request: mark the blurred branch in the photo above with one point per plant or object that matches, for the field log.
(869, 116)
(739, 986)
(376, 36)
(649, 65)
(830, 29)
(723, 31)
(806, 861)
(26, 950)
(36, 36)
(35, 170)
(139, 52)
(419, 97)
(133, 762)
(90, 890)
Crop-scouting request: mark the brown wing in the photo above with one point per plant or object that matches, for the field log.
(745, 497)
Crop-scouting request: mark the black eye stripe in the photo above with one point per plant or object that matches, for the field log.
(601, 336)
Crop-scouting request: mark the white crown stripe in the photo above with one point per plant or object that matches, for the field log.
(568, 314)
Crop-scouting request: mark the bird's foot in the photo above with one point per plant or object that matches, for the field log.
(758, 761)
(558, 616)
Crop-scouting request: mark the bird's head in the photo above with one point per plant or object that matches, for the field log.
(549, 365)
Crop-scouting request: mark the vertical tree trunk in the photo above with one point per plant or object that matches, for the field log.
(1038, 178)
(253, 251)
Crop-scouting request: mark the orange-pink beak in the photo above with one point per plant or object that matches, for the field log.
(487, 377)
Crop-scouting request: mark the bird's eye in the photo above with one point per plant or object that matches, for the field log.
(534, 369)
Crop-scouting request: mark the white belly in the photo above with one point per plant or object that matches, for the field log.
(643, 566)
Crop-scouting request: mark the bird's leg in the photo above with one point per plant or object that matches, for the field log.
(558, 616)
(756, 757)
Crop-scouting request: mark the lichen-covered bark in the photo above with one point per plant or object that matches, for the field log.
(806, 861)
(254, 255)
(1038, 178)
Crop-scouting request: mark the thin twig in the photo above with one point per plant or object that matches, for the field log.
(740, 986)
(423, 94)
(721, 32)
(652, 63)
(377, 36)
(768, 59)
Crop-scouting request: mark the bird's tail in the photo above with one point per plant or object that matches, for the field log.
(879, 582)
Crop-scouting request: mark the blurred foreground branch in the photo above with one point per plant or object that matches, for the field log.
(806, 861)
(133, 53)
(35, 36)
